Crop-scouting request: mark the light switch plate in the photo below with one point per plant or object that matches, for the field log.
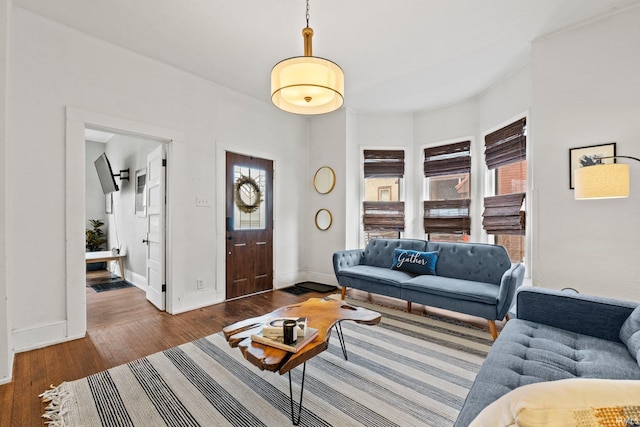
(202, 202)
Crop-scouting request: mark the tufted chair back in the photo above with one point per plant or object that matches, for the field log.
(471, 261)
(379, 252)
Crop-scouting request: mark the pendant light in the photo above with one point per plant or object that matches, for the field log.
(307, 84)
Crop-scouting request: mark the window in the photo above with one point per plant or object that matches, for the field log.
(384, 193)
(504, 214)
(447, 170)
(383, 212)
(249, 207)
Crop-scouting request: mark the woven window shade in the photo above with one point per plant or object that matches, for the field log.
(383, 216)
(383, 163)
(502, 214)
(447, 159)
(506, 145)
(447, 216)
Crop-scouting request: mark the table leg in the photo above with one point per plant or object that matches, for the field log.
(121, 268)
(338, 327)
(296, 420)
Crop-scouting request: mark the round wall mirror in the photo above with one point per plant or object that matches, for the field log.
(324, 180)
(323, 219)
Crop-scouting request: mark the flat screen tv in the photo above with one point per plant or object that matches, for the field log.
(105, 174)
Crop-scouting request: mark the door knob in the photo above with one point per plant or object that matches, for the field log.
(145, 241)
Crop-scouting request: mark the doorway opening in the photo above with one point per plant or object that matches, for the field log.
(124, 216)
(77, 121)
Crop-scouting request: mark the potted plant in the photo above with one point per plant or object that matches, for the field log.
(95, 240)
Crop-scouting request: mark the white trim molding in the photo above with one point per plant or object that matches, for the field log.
(76, 121)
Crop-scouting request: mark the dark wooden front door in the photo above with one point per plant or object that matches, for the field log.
(249, 221)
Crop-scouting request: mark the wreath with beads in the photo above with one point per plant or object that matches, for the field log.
(247, 182)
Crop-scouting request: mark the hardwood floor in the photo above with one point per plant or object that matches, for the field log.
(123, 326)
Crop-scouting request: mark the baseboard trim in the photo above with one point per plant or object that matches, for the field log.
(9, 377)
(41, 336)
(198, 300)
(136, 279)
(327, 279)
(286, 280)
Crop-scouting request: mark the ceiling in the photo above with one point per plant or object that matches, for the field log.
(398, 56)
(97, 135)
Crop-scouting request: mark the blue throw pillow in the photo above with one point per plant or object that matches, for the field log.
(630, 334)
(414, 261)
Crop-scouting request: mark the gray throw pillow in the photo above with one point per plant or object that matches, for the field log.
(630, 333)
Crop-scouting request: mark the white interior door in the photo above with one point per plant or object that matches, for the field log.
(156, 182)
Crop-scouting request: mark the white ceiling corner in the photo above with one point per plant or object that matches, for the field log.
(97, 135)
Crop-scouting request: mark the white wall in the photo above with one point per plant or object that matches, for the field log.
(451, 122)
(586, 91)
(504, 100)
(6, 355)
(500, 105)
(51, 67)
(389, 131)
(327, 147)
(94, 200)
(352, 176)
(454, 123)
(472, 119)
(337, 140)
(126, 230)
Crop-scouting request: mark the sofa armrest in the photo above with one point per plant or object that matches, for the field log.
(345, 259)
(584, 314)
(512, 279)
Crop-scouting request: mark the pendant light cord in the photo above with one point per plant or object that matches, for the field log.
(308, 16)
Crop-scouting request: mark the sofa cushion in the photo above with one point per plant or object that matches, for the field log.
(528, 352)
(630, 334)
(376, 275)
(415, 262)
(466, 290)
(379, 252)
(471, 261)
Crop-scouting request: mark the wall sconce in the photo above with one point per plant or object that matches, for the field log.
(602, 181)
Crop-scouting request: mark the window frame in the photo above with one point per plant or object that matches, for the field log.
(491, 183)
(362, 234)
(426, 187)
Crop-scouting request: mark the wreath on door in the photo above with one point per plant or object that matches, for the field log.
(247, 194)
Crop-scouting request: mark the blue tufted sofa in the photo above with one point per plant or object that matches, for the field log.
(557, 336)
(471, 278)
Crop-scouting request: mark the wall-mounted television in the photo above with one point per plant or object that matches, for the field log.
(105, 174)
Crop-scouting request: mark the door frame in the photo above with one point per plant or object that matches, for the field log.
(221, 208)
(76, 121)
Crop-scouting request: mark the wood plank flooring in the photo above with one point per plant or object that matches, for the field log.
(123, 326)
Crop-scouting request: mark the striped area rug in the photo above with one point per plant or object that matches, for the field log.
(407, 371)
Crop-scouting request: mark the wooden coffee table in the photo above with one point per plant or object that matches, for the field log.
(322, 314)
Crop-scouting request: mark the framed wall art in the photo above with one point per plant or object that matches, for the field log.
(584, 156)
(108, 203)
(141, 192)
